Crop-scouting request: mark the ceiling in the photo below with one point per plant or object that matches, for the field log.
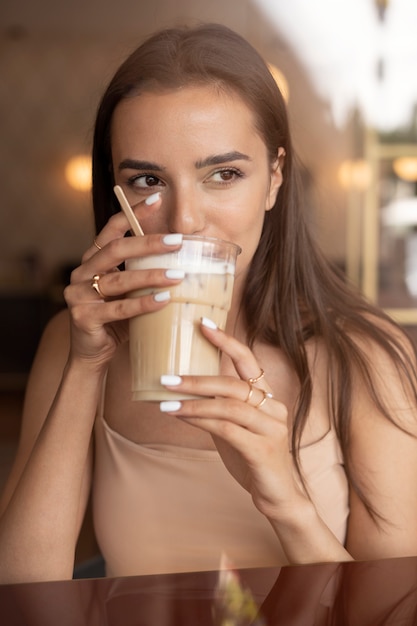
(353, 55)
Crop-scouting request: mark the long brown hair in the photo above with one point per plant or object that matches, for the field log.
(292, 293)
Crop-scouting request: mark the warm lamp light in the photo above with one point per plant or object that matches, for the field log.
(354, 174)
(280, 80)
(78, 172)
(406, 168)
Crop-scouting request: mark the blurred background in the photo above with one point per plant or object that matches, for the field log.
(347, 69)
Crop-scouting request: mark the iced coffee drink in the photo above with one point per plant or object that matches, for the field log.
(169, 341)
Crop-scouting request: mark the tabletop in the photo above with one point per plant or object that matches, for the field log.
(373, 593)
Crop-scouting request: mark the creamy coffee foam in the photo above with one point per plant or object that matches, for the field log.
(168, 261)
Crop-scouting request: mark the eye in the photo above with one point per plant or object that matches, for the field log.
(144, 181)
(226, 175)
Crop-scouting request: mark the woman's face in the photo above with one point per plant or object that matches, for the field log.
(199, 147)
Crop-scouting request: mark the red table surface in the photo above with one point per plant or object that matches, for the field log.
(370, 593)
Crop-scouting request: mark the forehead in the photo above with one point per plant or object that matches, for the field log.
(191, 115)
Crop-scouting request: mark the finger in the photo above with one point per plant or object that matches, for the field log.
(120, 249)
(227, 387)
(115, 228)
(227, 415)
(110, 287)
(218, 386)
(118, 225)
(243, 358)
(118, 284)
(98, 312)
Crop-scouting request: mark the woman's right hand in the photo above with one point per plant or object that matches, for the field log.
(99, 324)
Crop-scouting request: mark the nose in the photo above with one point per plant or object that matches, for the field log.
(185, 212)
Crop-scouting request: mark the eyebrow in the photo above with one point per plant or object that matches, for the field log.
(215, 159)
(134, 164)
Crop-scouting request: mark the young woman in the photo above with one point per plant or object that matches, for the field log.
(305, 448)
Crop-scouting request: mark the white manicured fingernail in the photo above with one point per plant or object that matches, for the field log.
(173, 239)
(162, 296)
(175, 273)
(170, 380)
(170, 405)
(208, 323)
(153, 198)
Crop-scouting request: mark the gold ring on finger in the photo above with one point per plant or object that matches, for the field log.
(252, 381)
(266, 395)
(250, 394)
(97, 245)
(95, 284)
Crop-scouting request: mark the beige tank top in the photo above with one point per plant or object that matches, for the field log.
(163, 508)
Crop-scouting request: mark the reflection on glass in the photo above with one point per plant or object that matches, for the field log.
(397, 202)
(352, 594)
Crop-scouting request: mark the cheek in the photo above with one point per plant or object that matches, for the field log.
(247, 235)
(247, 205)
(152, 219)
(243, 216)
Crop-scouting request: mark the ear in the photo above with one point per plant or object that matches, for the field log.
(276, 179)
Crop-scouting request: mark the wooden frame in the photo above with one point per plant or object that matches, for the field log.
(363, 224)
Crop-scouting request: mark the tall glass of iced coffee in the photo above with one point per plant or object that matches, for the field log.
(169, 341)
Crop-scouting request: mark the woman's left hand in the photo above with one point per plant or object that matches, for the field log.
(249, 426)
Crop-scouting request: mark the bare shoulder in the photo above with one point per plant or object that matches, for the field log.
(44, 380)
(392, 377)
(383, 450)
(56, 335)
(45, 375)
(50, 358)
